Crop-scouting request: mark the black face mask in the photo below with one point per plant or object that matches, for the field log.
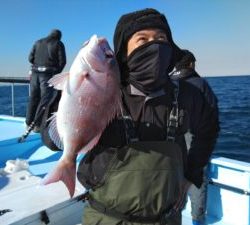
(149, 65)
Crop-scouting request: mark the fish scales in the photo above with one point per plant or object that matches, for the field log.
(91, 98)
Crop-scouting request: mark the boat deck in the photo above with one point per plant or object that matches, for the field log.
(30, 203)
(20, 191)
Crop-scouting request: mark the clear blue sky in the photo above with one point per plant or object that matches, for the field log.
(217, 32)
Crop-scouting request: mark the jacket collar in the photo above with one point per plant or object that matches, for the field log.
(134, 91)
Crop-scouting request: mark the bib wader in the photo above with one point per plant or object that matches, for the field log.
(141, 186)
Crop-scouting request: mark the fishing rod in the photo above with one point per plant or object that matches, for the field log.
(55, 99)
(31, 126)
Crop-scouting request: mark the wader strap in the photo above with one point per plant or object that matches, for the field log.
(173, 122)
(130, 129)
(161, 218)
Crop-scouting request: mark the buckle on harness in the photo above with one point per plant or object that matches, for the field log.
(173, 122)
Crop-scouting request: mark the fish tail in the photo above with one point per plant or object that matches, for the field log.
(64, 172)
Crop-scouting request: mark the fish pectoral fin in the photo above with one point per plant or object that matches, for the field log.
(59, 80)
(76, 81)
(53, 133)
(91, 144)
(64, 172)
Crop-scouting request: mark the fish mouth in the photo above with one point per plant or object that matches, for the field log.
(109, 54)
(105, 48)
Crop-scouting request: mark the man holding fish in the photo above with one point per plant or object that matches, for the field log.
(132, 126)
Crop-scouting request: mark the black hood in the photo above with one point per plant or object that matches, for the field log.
(130, 23)
(55, 34)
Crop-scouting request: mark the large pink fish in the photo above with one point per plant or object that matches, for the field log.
(90, 99)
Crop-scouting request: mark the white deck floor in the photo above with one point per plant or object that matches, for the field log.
(21, 193)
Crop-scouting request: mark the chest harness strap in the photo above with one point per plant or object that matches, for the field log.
(173, 122)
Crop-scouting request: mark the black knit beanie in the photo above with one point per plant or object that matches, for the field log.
(130, 23)
(186, 59)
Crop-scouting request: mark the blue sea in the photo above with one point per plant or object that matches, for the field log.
(233, 93)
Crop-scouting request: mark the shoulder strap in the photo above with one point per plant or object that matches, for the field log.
(130, 130)
(172, 124)
(173, 121)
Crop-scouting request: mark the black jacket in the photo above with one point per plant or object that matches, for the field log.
(150, 117)
(193, 79)
(48, 52)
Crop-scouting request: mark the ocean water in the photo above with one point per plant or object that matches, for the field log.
(21, 93)
(233, 93)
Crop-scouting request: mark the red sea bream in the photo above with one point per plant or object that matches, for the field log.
(90, 99)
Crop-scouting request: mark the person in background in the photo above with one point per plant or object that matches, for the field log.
(139, 172)
(185, 71)
(48, 58)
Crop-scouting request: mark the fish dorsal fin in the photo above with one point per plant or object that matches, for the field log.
(92, 143)
(59, 80)
(53, 132)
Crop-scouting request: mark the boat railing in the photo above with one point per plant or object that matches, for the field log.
(12, 81)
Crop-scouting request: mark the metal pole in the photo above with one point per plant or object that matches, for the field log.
(12, 99)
